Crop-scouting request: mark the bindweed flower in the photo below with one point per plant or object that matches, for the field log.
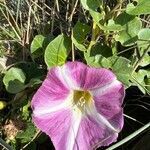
(79, 107)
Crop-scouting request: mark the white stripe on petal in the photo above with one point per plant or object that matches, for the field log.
(58, 106)
(43, 111)
(65, 77)
(76, 120)
(102, 90)
(91, 111)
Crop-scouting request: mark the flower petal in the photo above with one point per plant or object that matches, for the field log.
(62, 127)
(87, 77)
(108, 101)
(64, 75)
(92, 135)
(68, 127)
(57, 126)
(70, 130)
(51, 94)
(74, 129)
(95, 130)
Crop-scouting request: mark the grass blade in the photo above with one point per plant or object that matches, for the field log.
(5, 145)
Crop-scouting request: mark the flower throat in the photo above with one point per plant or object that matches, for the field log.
(82, 99)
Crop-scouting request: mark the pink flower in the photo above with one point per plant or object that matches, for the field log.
(79, 107)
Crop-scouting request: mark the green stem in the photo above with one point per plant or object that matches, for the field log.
(35, 136)
(140, 85)
(93, 39)
(113, 10)
(128, 138)
(141, 58)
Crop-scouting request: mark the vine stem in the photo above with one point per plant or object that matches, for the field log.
(74, 6)
(92, 42)
(35, 136)
(131, 136)
(141, 58)
(72, 50)
(113, 10)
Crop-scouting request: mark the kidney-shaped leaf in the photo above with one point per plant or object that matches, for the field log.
(14, 80)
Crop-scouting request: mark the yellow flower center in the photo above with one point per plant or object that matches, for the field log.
(82, 99)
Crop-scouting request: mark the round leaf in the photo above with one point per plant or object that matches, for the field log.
(14, 80)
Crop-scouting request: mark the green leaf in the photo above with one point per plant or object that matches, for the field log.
(113, 26)
(32, 70)
(129, 8)
(139, 77)
(101, 49)
(143, 7)
(143, 38)
(57, 51)
(117, 24)
(143, 43)
(145, 61)
(80, 32)
(144, 34)
(33, 82)
(124, 19)
(28, 134)
(98, 56)
(97, 61)
(96, 16)
(147, 82)
(92, 6)
(122, 68)
(131, 26)
(25, 111)
(14, 80)
(37, 43)
(20, 100)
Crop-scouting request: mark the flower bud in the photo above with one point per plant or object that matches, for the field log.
(2, 105)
